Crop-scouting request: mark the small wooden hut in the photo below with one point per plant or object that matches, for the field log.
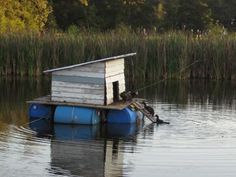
(97, 82)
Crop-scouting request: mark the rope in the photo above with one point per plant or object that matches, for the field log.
(155, 83)
(34, 121)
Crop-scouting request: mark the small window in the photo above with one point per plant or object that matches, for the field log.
(115, 86)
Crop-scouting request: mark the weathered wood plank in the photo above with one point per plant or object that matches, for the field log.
(77, 95)
(115, 68)
(118, 77)
(94, 70)
(122, 88)
(78, 90)
(79, 73)
(76, 85)
(78, 100)
(109, 92)
(109, 100)
(115, 62)
(117, 106)
(78, 79)
(109, 95)
(93, 65)
(112, 74)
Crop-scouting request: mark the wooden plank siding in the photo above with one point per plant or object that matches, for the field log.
(96, 67)
(84, 84)
(77, 95)
(77, 100)
(77, 85)
(78, 79)
(78, 90)
(96, 70)
(114, 71)
(46, 100)
(89, 84)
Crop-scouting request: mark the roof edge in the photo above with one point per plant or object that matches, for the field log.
(90, 62)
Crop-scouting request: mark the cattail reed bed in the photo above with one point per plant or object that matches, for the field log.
(165, 55)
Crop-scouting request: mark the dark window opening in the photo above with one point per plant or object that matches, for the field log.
(115, 91)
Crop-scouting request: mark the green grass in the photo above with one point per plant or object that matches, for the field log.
(158, 55)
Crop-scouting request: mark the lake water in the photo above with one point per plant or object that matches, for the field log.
(200, 140)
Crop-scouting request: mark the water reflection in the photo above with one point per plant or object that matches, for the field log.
(84, 150)
(200, 141)
(75, 132)
(74, 150)
(42, 127)
(13, 96)
(192, 92)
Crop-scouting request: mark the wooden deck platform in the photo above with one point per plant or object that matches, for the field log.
(116, 106)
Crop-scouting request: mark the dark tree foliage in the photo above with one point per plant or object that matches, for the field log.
(109, 13)
(73, 12)
(189, 15)
(224, 12)
(142, 14)
(161, 14)
(105, 14)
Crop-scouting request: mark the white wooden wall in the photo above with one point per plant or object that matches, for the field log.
(84, 84)
(114, 71)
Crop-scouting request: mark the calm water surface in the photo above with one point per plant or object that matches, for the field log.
(200, 141)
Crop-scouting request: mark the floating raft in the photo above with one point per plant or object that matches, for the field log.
(87, 93)
(46, 100)
(87, 114)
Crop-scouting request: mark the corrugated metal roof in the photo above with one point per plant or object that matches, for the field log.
(90, 62)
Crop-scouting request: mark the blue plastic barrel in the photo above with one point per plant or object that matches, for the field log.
(121, 116)
(76, 115)
(40, 111)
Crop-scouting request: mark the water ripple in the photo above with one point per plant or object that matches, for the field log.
(199, 141)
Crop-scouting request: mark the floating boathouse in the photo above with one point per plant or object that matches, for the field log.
(87, 93)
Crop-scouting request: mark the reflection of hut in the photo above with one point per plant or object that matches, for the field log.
(79, 158)
(114, 159)
(87, 158)
(76, 151)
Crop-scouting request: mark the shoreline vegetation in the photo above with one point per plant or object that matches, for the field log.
(173, 39)
(159, 55)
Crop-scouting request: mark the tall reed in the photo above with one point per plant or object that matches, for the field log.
(158, 55)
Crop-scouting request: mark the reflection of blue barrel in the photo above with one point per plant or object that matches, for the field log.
(40, 111)
(41, 126)
(76, 115)
(121, 130)
(64, 132)
(121, 116)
